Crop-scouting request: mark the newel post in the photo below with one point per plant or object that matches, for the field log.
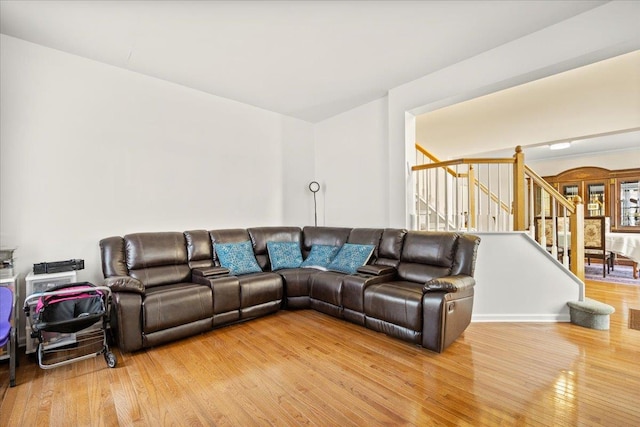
(519, 191)
(576, 224)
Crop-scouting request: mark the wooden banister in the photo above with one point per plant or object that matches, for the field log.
(435, 159)
(540, 182)
(462, 161)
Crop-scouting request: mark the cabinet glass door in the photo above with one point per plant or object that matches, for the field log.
(629, 206)
(595, 199)
(570, 190)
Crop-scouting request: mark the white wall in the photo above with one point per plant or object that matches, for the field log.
(351, 167)
(89, 150)
(518, 281)
(298, 171)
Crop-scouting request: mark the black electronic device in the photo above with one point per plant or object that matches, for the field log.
(58, 266)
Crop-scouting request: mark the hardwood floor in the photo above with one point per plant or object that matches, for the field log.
(303, 367)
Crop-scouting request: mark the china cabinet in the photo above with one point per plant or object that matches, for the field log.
(604, 192)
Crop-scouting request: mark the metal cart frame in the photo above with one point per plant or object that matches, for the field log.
(87, 338)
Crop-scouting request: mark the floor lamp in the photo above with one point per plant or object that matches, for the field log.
(314, 187)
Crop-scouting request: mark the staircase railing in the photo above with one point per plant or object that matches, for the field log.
(498, 194)
(467, 193)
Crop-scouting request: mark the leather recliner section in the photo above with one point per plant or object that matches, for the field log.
(417, 286)
(259, 293)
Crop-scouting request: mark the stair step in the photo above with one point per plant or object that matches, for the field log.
(590, 313)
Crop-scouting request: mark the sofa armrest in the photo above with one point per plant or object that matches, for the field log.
(449, 284)
(126, 320)
(210, 272)
(376, 270)
(124, 284)
(446, 314)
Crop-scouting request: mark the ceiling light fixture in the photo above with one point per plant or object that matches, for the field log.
(560, 146)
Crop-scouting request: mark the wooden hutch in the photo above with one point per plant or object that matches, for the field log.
(612, 193)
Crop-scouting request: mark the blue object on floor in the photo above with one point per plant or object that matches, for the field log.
(6, 305)
(8, 332)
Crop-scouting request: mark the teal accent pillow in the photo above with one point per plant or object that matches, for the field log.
(237, 257)
(350, 257)
(320, 256)
(284, 255)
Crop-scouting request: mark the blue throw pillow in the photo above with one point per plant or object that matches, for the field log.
(320, 256)
(284, 255)
(237, 257)
(350, 257)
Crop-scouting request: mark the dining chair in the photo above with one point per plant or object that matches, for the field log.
(595, 242)
(548, 231)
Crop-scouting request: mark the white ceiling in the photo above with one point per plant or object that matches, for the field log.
(306, 59)
(579, 147)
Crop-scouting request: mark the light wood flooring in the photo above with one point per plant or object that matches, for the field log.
(303, 367)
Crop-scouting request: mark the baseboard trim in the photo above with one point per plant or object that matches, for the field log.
(546, 318)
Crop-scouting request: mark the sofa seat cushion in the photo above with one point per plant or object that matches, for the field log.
(327, 286)
(399, 303)
(259, 288)
(173, 305)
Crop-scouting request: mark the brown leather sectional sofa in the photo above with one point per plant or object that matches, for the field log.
(417, 286)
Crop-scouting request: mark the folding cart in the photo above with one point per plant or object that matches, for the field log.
(63, 319)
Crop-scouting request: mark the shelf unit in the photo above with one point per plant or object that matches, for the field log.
(604, 192)
(36, 283)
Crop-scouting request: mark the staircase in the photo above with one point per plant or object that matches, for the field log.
(503, 195)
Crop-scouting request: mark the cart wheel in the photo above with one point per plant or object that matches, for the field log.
(111, 359)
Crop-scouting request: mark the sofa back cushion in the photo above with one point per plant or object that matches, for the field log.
(331, 236)
(427, 255)
(157, 258)
(261, 235)
(390, 247)
(465, 259)
(199, 251)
